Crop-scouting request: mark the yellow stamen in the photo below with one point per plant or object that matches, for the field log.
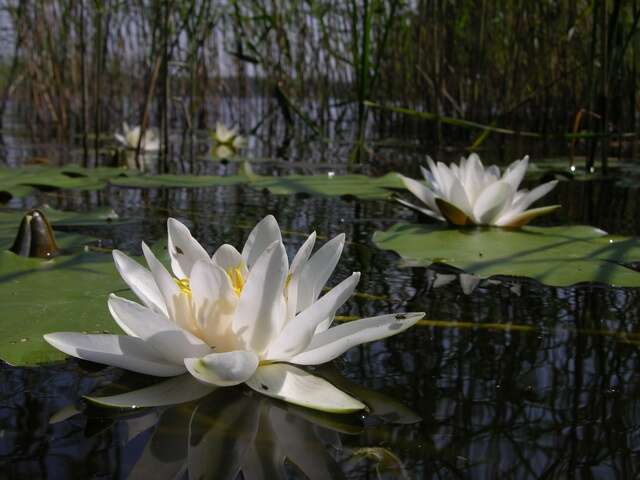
(237, 280)
(287, 281)
(183, 285)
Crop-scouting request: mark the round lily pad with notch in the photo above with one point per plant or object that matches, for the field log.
(556, 256)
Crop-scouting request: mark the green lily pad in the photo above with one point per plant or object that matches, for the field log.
(68, 292)
(361, 186)
(177, 181)
(19, 182)
(10, 222)
(557, 256)
(40, 296)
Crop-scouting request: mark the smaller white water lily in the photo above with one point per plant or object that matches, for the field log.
(227, 141)
(236, 317)
(470, 194)
(130, 137)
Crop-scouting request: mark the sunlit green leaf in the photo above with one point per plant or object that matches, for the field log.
(361, 186)
(192, 181)
(19, 182)
(557, 256)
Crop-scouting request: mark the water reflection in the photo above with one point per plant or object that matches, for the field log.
(234, 431)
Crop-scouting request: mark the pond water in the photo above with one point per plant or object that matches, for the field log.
(513, 379)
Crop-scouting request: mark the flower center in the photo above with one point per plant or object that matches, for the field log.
(183, 285)
(237, 280)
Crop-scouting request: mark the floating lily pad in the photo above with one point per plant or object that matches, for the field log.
(40, 296)
(192, 181)
(19, 182)
(10, 222)
(557, 256)
(361, 186)
(68, 292)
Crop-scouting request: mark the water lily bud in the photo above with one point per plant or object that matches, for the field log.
(35, 237)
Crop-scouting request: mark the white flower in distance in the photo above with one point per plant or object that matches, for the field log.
(227, 141)
(130, 137)
(469, 193)
(236, 317)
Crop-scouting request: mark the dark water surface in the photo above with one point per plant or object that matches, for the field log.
(532, 382)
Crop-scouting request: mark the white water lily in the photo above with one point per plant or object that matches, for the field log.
(236, 317)
(469, 193)
(130, 137)
(228, 141)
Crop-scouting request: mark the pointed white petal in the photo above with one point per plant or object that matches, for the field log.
(120, 351)
(303, 254)
(492, 202)
(428, 176)
(334, 342)
(515, 172)
(228, 258)
(166, 337)
(120, 139)
(424, 194)
(261, 309)
(223, 369)
(263, 234)
(458, 197)
(317, 271)
(184, 250)
(296, 334)
(535, 195)
(140, 281)
(425, 211)
(295, 272)
(214, 303)
(522, 218)
(178, 305)
(296, 386)
(181, 389)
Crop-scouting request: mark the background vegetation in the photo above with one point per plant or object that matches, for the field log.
(528, 70)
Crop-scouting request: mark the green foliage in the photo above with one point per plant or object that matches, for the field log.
(557, 256)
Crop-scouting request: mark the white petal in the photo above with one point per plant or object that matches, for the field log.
(116, 350)
(419, 190)
(261, 308)
(425, 211)
(492, 202)
(181, 389)
(296, 334)
(214, 303)
(295, 271)
(184, 250)
(223, 369)
(515, 172)
(140, 281)
(296, 386)
(263, 234)
(178, 306)
(535, 195)
(458, 197)
(120, 139)
(334, 342)
(303, 254)
(173, 343)
(317, 271)
(228, 258)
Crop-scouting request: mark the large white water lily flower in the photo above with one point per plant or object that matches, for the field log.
(469, 193)
(236, 317)
(130, 137)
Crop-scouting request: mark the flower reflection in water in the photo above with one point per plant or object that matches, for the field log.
(234, 430)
